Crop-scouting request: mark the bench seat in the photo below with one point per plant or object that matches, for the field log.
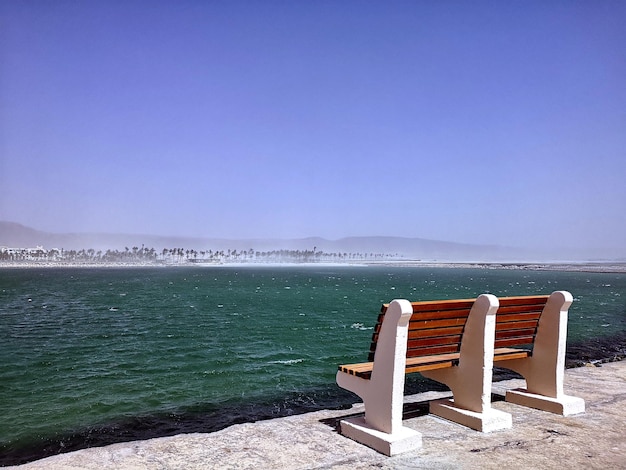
(440, 361)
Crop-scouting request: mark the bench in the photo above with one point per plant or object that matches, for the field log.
(450, 341)
(456, 342)
(537, 325)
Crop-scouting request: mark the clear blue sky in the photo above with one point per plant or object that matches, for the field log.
(482, 122)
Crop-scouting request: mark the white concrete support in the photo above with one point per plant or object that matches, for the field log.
(470, 380)
(545, 369)
(383, 394)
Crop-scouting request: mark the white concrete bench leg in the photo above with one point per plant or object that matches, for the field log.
(470, 381)
(545, 369)
(383, 394)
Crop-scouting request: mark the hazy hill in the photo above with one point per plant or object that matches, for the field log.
(19, 236)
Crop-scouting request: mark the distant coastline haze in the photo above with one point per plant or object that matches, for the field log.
(133, 248)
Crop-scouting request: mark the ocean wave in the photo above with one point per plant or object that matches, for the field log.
(286, 361)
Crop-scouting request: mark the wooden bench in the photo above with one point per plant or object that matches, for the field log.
(456, 342)
(450, 341)
(436, 329)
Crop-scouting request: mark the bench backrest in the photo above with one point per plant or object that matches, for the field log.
(517, 320)
(436, 326)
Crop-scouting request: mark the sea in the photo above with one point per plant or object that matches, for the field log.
(94, 356)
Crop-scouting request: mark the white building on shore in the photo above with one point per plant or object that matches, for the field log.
(28, 254)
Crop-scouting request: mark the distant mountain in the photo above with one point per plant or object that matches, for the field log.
(19, 236)
(15, 235)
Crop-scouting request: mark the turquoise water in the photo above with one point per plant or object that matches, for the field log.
(92, 356)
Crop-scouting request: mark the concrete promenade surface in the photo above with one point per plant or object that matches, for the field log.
(595, 439)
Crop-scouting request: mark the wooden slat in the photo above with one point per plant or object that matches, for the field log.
(453, 304)
(427, 305)
(426, 360)
(454, 330)
(432, 351)
(423, 342)
(520, 309)
(417, 364)
(440, 314)
(433, 314)
(516, 325)
(430, 324)
(518, 341)
(518, 316)
(363, 370)
(501, 354)
(523, 300)
(429, 366)
(515, 333)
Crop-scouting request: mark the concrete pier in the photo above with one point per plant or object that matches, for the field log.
(595, 439)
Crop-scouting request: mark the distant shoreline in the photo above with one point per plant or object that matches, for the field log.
(591, 267)
(583, 266)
